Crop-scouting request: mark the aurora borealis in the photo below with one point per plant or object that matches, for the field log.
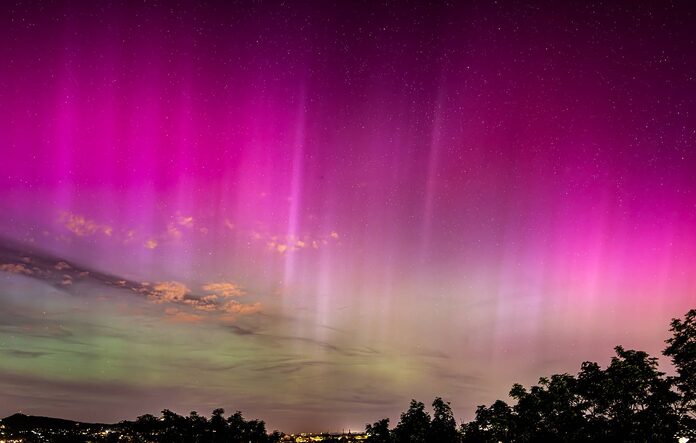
(315, 211)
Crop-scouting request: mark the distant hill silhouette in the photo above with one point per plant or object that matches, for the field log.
(27, 422)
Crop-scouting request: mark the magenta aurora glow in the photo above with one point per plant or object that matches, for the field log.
(315, 211)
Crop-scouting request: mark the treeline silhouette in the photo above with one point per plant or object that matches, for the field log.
(628, 401)
(171, 427)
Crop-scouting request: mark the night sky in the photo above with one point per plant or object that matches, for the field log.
(316, 211)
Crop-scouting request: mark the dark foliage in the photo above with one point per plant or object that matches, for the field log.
(171, 427)
(628, 401)
(682, 350)
(378, 432)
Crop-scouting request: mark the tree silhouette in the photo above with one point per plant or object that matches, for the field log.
(236, 426)
(414, 425)
(639, 399)
(682, 351)
(378, 432)
(443, 427)
(146, 424)
(629, 401)
(491, 425)
(197, 428)
(218, 426)
(172, 425)
(550, 411)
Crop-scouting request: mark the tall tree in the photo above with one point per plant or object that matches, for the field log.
(491, 425)
(639, 398)
(255, 431)
(378, 432)
(197, 428)
(146, 425)
(237, 427)
(218, 426)
(681, 349)
(443, 427)
(549, 411)
(172, 424)
(414, 425)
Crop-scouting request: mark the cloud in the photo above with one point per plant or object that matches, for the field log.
(82, 226)
(240, 331)
(173, 232)
(224, 289)
(24, 354)
(176, 315)
(130, 235)
(186, 222)
(293, 243)
(213, 301)
(178, 293)
(16, 268)
(168, 291)
(234, 307)
(202, 305)
(151, 243)
(61, 266)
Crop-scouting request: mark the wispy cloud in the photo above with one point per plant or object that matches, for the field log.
(293, 243)
(234, 307)
(16, 268)
(212, 298)
(23, 354)
(82, 226)
(224, 289)
(185, 221)
(167, 292)
(177, 315)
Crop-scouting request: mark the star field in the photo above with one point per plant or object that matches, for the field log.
(316, 211)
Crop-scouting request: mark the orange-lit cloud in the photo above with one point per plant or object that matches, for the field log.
(224, 289)
(82, 226)
(172, 292)
(293, 243)
(168, 291)
(181, 316)
(151, 243)
(61, 266)
(130, 235)
(173, 232)
(202, 305)
(186, 222)
(16, 268)
(234, 307)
